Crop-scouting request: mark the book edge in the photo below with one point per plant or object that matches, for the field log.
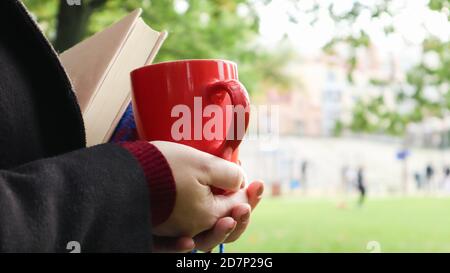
(113, 60)
(161, 37)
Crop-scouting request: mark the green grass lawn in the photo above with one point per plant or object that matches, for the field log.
(298, 224)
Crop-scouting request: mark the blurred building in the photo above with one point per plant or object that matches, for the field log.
(325, 95)
(433, 132)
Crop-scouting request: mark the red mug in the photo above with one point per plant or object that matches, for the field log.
(172, 101)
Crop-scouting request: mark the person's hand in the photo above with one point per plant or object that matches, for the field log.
(196, 208)
(229, 229)
(181, 244)
(226, 229)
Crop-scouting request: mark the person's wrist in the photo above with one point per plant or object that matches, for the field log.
(159, 178)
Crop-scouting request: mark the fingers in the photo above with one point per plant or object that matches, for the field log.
(241, 214)
(227, 229)
(208, 169)
(241, 211)
(209, 239)
(168, 244)
(223, 204)
(223, 174)
(254, 193)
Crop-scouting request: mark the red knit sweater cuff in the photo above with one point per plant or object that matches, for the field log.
(159, 178)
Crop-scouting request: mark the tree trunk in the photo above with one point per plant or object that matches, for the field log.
(73, 21)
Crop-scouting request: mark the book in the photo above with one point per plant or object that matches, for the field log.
(99, 68)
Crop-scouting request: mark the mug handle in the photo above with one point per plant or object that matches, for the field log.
(238, 96)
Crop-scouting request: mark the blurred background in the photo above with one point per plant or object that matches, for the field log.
(352, 128)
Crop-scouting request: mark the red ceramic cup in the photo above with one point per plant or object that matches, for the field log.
(172, 101)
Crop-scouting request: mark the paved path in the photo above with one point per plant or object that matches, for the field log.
(326, 156)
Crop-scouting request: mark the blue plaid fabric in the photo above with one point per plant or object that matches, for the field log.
(126, 129)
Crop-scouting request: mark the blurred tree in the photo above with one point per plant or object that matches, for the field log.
(427, 76)
(73, 22)
(197, 29)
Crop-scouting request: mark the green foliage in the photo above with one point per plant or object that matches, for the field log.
(419, 78)
(214, 29)
(206, 29)
(45, 12)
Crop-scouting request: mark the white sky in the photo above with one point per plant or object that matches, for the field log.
(412, 21)
(411, 24)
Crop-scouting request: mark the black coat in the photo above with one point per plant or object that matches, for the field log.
(53, 190)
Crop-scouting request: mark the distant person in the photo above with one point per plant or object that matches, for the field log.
(446, 180)
(304, 174)
(429, 174)
(361, 186)
(418, 179)
(447, 171)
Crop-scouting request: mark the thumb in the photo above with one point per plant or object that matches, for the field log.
(254, 193)
(224, 204)
(224, 175)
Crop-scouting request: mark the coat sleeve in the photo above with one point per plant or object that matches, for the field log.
(97, 197)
